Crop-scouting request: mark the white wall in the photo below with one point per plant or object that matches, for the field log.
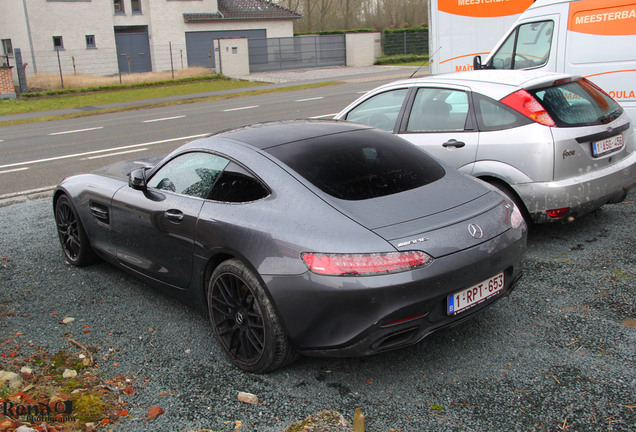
(73, 20)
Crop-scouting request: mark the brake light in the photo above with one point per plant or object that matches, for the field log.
(524, 103)
(365, 264)
(557, 213)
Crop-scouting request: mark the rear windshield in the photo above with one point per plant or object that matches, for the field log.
(360, 165)
(578, 103)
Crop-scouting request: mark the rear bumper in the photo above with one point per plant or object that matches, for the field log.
(581, 194)
(356, 316)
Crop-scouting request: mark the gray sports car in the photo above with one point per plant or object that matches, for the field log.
(302, 237)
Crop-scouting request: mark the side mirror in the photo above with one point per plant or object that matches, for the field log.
(137, 179)
(477, 62)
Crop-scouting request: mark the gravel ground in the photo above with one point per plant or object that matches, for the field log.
(558, 354)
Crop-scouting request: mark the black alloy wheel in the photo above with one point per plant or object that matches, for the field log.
(244, 320)
(73, 239)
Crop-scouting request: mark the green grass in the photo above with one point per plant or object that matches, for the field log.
(19, 106)
(403, 60)
(89, 101)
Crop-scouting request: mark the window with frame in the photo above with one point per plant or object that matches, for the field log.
(380, 111)
(237, 185)
(438, 109)
(7, 47)
(135, 6)
(58, 43)
(494, 116)
(191, 174)
(528, 46)
(119, 6)
(90, 41)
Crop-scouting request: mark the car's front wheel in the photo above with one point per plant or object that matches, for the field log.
(73, 238)
(245, 321)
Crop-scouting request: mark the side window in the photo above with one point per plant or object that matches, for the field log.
(237, 185)
(118, 6)
(191, 174)
(58, 43)
(135, 5)
(527, 47)
(90, 41)
(494, 116)
(438, 109)
(380, 111)
(7, 47)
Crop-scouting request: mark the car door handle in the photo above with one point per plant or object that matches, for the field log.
(454, 143)
(175, 216)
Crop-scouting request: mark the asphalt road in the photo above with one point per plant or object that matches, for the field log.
(38, 155)
(558, 354)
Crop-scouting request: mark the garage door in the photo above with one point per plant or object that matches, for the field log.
(199, 45)
(133, 50)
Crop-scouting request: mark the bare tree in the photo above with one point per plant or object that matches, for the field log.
(350, 14)
(324, 10)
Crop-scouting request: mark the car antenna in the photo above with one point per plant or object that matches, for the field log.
(429, 57)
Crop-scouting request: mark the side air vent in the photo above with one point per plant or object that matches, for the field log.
(100, 212)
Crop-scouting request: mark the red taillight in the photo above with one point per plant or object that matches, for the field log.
(557, 213)
(524, 103)
(365, 264)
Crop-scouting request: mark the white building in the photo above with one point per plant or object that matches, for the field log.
(119, 36)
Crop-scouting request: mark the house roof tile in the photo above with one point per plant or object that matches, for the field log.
(243, 10)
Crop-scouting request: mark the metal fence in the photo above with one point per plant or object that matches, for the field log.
(101, 61)
(264, 55)
(297, 52)
(405, 42)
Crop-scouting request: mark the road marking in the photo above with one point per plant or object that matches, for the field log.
(13, 170)
(114, 154)
(310, 99)
(163, 119)
(27, 192)
(76, 155)
(323, 116)
(77, 130)
(241, 108)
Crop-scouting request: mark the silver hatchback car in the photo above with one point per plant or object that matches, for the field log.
(556, 144)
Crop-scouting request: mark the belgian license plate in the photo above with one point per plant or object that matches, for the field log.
(608, 145)
(475, 294)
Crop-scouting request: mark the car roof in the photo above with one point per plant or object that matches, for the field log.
(269, 134)
(501, 82)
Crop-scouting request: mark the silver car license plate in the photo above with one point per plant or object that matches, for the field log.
(608, 145)
(475, 294)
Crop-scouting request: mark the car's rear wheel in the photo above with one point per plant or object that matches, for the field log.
(73, 238)
(245, 321)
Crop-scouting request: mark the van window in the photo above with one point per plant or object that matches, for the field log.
(528, 46)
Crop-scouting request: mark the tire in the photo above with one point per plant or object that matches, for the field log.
(73, 238)
(244, 320)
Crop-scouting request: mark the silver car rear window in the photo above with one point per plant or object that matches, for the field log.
(578, 103)
(360, 165)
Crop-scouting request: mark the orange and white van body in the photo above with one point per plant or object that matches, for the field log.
(462, 29)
